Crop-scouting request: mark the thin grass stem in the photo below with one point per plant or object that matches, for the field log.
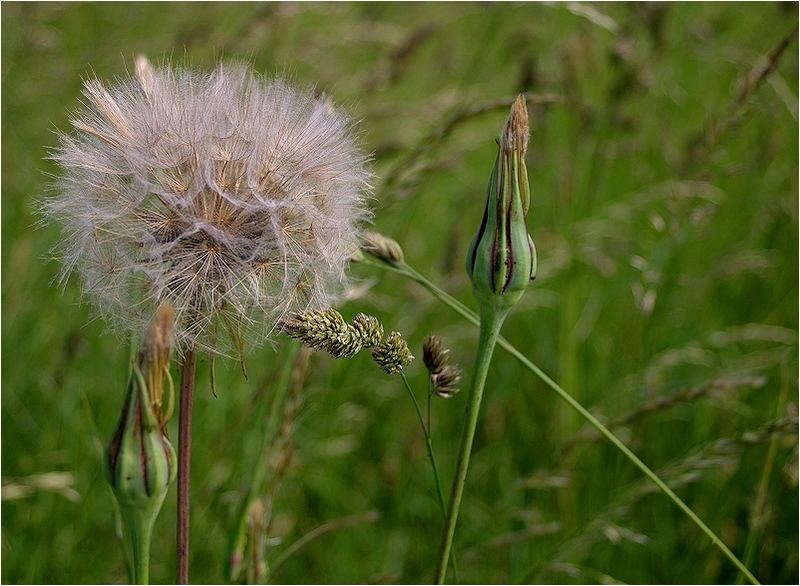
(342, 523)
(429, 446)
(472, 317)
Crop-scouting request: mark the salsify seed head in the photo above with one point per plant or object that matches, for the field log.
(235, 197)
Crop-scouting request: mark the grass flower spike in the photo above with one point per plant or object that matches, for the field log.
(444, 377)
(233, 196)
(382, 247)
(392, 354)
(369, 329)
(323, 330)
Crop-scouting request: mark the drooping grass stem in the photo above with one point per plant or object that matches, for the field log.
(426, 431)
(491, 322)
(469, 315)
(184, 460)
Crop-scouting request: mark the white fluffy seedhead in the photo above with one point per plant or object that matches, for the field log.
(236, 198)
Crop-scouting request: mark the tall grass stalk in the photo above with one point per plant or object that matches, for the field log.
(426, 431)
(406, 270)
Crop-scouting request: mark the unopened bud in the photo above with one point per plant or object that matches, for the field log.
(140, 461)
(140, 458)
(502, 258)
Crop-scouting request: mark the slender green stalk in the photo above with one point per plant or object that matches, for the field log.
(470, 316)
(139, 531)
(491, 322)
(236, 548)
(429, 445)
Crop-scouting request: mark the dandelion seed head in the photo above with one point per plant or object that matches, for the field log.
(235, 197)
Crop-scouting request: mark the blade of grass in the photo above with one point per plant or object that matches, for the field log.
(342, 523)
(429, 445)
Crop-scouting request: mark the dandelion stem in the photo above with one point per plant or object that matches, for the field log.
(184, 459)
(472, 317)
(491, 321)
(429, 446)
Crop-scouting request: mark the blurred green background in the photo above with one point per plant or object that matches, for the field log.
(663, 166)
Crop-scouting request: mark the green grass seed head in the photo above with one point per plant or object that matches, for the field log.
(382, 247)
(392, 354)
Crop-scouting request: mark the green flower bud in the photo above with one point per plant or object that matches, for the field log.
(140, 461)
(502, 258)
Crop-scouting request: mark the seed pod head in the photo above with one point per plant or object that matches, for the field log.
(369, 329)
(444, 377)
(434, 354)
(140, 461)
(502, 258)
(382, 247)
(445, 381)
(392, 354)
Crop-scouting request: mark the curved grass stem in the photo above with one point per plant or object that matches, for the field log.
(429, 445)
(472, 317)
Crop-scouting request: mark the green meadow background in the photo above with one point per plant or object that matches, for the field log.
(664, 176)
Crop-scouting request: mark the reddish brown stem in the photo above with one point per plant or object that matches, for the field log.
(184, 459)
